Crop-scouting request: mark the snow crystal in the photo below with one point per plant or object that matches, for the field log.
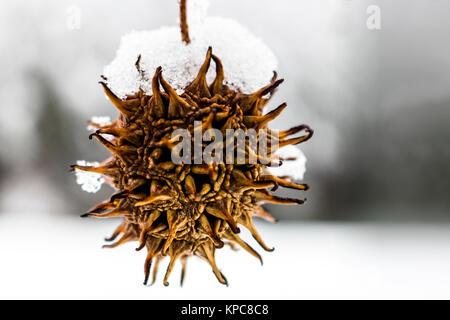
(103, 121)
(90, 181)
(293, 166)
(247, 61)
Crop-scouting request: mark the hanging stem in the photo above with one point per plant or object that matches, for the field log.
(183, 22)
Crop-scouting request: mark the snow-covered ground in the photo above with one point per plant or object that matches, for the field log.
(60, 257)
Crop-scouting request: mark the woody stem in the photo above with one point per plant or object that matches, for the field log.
(183, 22)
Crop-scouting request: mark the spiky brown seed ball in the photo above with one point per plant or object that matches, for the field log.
(180, 210)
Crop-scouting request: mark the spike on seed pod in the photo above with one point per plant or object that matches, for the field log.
(181, 210)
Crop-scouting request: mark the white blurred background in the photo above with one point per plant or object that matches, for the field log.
(376, 223)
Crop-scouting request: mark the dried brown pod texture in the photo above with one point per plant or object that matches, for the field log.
(183, 210)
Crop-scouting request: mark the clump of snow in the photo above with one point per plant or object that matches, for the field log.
(248, 62)
(196, 12)
(90, 181)
(101, 120)
(294, 163)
